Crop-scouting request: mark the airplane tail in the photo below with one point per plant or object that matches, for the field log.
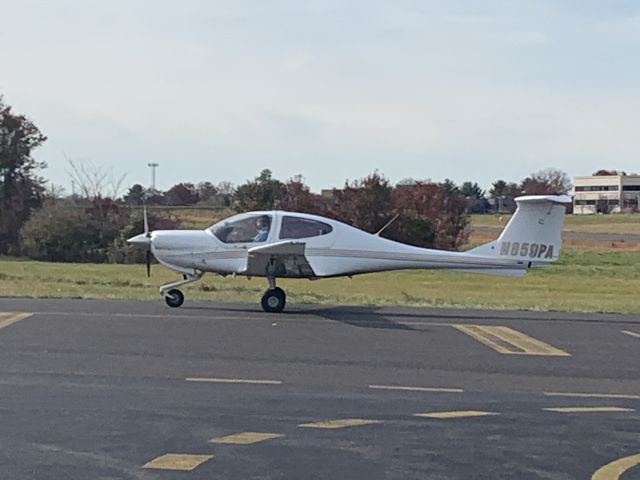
(534, 233)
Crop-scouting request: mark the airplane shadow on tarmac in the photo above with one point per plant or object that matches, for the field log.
(363, 317)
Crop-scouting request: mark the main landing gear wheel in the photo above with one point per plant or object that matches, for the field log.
(274, 300)
(174, 298)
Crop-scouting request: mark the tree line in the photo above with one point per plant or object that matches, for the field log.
(93, 222)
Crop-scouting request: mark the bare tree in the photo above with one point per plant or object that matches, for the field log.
(54, 191)
(91, 181)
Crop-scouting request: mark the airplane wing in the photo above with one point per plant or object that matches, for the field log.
(282, 259)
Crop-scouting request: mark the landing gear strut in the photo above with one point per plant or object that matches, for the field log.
(172, 295)
(274, 299)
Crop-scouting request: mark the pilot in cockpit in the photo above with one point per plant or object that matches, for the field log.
(263, 223)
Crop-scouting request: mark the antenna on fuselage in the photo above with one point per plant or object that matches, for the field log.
(377, 234)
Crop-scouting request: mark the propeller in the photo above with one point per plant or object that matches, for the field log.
(144, 239)
(147, 235)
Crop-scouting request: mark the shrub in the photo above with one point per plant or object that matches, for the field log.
(61, 232)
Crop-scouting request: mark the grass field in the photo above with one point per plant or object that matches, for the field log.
(591, 276)
(623, 223)
(587, 281)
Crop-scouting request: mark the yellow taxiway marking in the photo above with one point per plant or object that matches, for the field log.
(9, 318)
(509, 341)
(177, 461)
(455, 414)
(340, 423)
(615, 469)
(591, 395)
(630, 333)
(416, 389)
(245, 438)
(233, 380)
(588, 409)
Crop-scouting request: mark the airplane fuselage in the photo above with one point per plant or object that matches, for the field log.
(343, 251)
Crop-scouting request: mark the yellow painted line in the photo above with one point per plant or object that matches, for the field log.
(9, 318)
(455, 414)
(615, 469)
(233, 380)
(509, 341)
(591, 395)
(416, 389)
(246, 438)
(630, 333)
(177, 461)
(588, 409)
(341, 423)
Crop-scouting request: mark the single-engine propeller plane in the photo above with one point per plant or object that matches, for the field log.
(277, 244)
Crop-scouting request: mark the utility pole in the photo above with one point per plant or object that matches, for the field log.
(153, 174)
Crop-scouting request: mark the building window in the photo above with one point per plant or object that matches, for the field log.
(631, 188)
(598, 188)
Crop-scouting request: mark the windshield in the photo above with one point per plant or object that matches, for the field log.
(254, 228)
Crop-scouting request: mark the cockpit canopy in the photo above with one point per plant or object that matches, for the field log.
(300, 227)
(257, 227)
(243, 229)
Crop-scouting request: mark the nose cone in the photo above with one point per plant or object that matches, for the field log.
(141, 239)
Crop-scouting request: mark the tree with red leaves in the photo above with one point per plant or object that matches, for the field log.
(182, 194)
(364, 203)
(606, 173)
(550, 181)
(429, 216)
(21, 190)
(295, 196)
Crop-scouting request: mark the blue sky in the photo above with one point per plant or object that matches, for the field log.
(218, 90)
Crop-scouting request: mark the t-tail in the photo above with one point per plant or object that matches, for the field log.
(533, 236)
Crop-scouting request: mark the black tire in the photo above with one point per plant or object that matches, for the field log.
(274, 300)
(174, 298)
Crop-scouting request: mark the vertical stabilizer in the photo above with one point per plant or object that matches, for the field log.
(534, 233)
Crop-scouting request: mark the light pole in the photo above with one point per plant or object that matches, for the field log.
(153, 174)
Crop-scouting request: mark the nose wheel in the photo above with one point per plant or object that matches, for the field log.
(274, 300)
(174, 298)
(172, 295)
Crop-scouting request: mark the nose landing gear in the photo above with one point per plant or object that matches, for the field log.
(172, 295)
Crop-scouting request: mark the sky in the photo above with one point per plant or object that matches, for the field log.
(332, 90)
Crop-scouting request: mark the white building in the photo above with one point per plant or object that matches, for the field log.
(606, 194)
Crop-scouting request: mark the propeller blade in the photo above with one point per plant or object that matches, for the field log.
(148, 262)
(146, 222)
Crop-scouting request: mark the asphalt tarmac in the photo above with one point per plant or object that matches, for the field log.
(135, 390)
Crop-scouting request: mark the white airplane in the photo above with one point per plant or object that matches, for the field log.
(277, 244)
